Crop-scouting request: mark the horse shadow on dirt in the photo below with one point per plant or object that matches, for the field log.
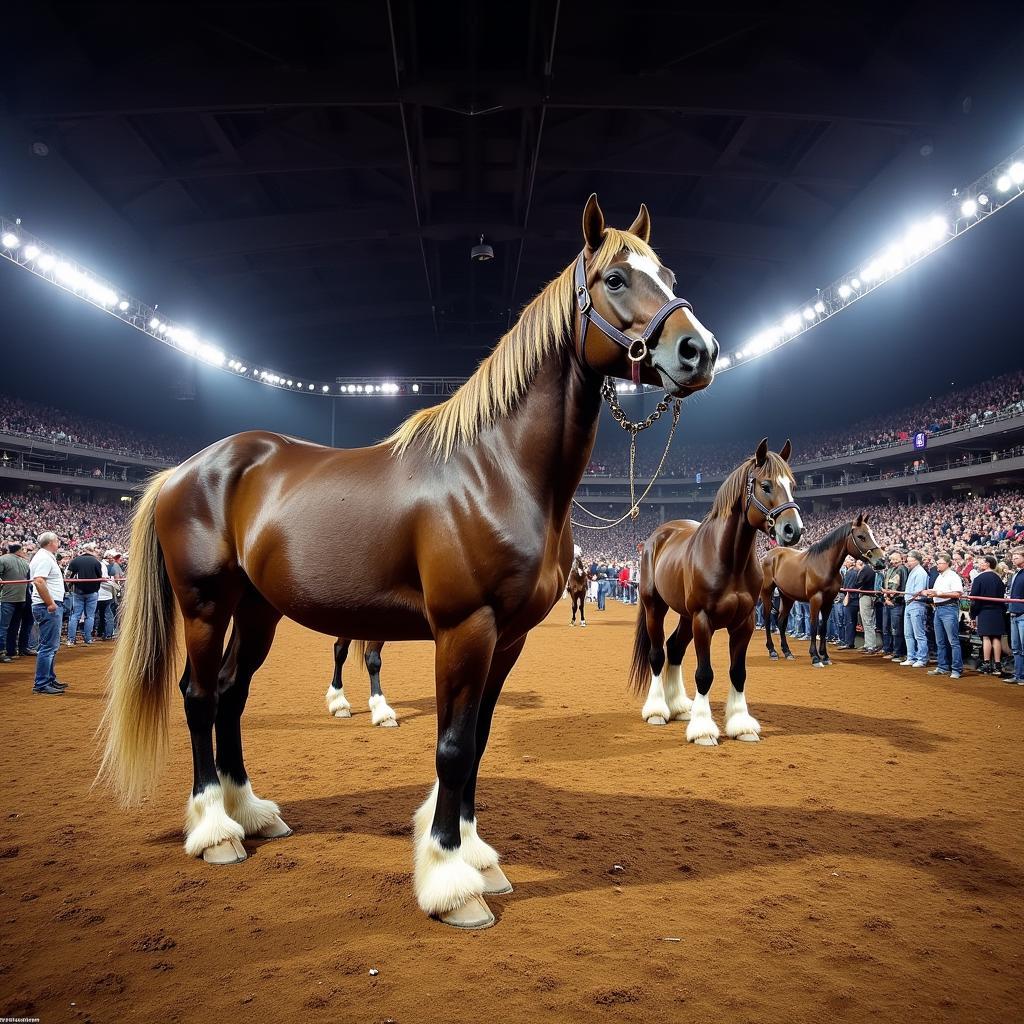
(577, 838)
(598, 736)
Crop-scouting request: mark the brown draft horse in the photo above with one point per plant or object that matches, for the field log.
(708, 572)
(337, 703)
(813, 575)
(579, 581)
(456, 529)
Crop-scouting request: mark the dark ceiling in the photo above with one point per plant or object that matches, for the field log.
(321, 170)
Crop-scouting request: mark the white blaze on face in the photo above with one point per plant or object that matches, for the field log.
(783, 483)
(647, 266)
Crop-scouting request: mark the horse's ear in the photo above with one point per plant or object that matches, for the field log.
(641, 227)
(762, 453)
(787, 450)
(593, 223)
(866, 514)
(859, 521)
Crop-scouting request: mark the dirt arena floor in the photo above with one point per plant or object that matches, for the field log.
(864, 862)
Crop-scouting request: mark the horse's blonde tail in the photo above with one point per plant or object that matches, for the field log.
(134, 723)
(359, 648)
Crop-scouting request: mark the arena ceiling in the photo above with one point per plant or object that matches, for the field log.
(321, 170)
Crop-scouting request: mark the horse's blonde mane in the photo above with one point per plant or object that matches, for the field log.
(502, 378)
(734, 487)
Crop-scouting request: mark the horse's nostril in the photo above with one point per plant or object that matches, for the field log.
(687, 350)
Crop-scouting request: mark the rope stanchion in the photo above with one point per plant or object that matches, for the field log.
(964, 596)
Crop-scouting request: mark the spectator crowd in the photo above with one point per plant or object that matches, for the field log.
(18, 416)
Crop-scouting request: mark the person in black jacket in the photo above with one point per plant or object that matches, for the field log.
(866, 581)
(989, 617)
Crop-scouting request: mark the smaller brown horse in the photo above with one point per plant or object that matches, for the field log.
(813, 575)
(579, 580)
(708, 572)
(337, 703)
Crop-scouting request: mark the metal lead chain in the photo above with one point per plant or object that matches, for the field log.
(633, 428)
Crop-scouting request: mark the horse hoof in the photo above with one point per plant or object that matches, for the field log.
(789, 656)
(474, 913)
(343, 713)
(683, 716)
(749, 737)
(572, 623)
(275, 829)
(388, 723)
(816, 664)
(827, 661)
(227, 851)
(773, 656)
(656, 720)
(495, 881)
(706, 741)
(582, 623)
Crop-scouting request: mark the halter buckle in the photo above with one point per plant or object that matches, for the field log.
(637, 351)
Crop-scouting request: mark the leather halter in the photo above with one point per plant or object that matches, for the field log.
(636, 348)
(863, 556)
(770, 514)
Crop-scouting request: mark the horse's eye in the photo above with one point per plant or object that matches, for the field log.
(766, 487)
(614, 282)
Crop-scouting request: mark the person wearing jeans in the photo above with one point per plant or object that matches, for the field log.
(1015, 591)
(915, 613)
(85, 566)
(946, 594)
(47, 611)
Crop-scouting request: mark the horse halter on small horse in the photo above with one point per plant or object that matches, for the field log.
(770, 514)
(636, 348)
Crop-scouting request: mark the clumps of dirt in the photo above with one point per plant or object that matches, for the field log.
(9, 852)
(157, 942)
(106, 983)
(617, 996)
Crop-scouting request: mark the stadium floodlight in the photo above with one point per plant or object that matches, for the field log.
(982, 199)
(1017, 172)
(9, 239)
(30, 252)
(326, 388)
(1003, 183)
(122, 305)
(416, 388)
(808, 313)
(819, 307)
(46, 262)
(723, 363)
(844, 291)
(969, 207)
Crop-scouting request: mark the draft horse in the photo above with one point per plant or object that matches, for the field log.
(708, 572)
(381, 713)
(456, 528)
(579, 580)
(813, 575)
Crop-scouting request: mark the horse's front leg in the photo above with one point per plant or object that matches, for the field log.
(679, 704)
(812, 649)
(448, 887)
(739, 724)
(381, 713)
(702, 729)
(337, 702)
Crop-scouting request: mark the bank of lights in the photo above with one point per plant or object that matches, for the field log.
(969, 207)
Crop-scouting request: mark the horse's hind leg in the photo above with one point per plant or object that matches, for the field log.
(816, 628)
(785, 607)
(255, 624)
(656, 710)
(583, 607)
(826, 614)
(209, 831)
(447, 885)
(572, 601)
(337, 702)
(675, 689)
(766, 610)
(739, 723)
(380, 713)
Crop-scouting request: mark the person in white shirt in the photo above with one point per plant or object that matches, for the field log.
(945, 595)
(47, 611)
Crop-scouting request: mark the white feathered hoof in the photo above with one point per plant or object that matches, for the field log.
(681, 710)
(495, 882)
(743, 726)
(703, 732)
(208, 826)
(227, 851)
(817, 664)
(825, 662)
(443, 881)
(573, 622)
(789, 655)
(584, 622)
(705, 741)
(474, 914)
(337, 703)
(773, 655)
(655, 710)
(381, 714)
(276, 829)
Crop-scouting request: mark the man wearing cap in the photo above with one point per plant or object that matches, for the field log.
(48, 611)
(84, 566)
(106, 603)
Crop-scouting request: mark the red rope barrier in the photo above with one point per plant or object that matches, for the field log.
(964, 596)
